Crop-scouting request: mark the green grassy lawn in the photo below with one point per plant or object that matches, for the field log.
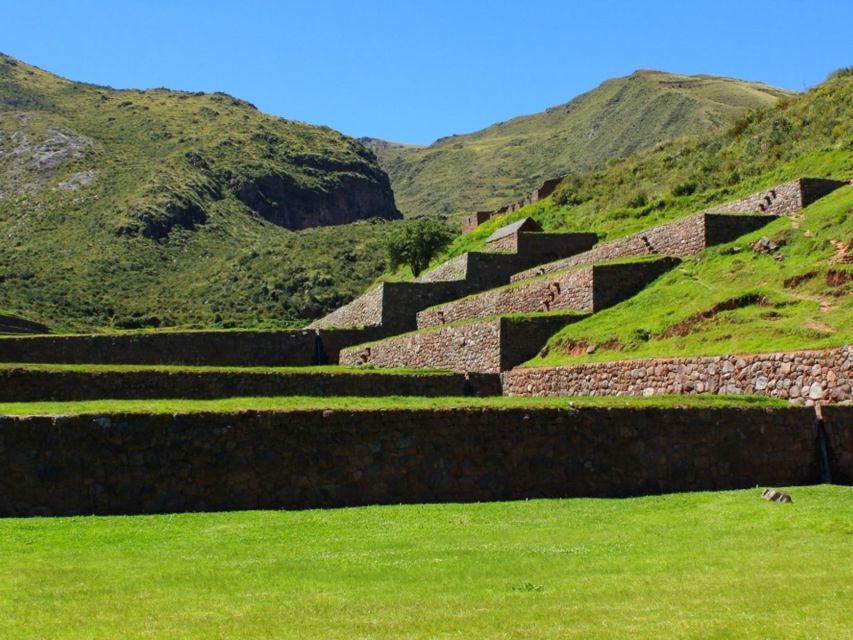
(700, 565)
(353, 403)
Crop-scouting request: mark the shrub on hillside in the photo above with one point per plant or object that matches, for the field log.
(416, 244)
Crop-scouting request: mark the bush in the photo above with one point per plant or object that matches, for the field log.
(416, 244)
(684, 188)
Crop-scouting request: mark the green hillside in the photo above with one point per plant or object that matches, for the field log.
(155, 208)
(500, 164)
(729, 298)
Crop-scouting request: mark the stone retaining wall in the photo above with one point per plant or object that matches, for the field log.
(680, 238)
(590, 289)
(804, 377)
(783, 199)
(838, 427)
(214, 348)
(393, 305)
(32, 385)
(127, 464)
(488, 346)
(476, 219)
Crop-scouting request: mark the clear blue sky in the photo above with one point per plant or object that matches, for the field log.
(413, 71)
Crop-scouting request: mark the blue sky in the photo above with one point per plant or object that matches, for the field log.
(415, 71)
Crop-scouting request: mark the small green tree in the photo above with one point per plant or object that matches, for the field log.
(416, 244)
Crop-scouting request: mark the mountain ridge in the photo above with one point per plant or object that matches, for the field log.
(488, 168)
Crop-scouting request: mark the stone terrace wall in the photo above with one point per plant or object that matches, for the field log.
(838, 426)
(467, 347)
(364, 311)
(476, 219)
(237, 348)
(393, 305)
(589, 289)
(680, 238)
(126, 464)
(783, 199)
(28, 385)
(568, 290)
(488, 346)
(214, 348)
(804, 377)
(613, 283)
(535, 248)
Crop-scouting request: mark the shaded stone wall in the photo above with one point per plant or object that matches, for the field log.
(488, 345)
(838, 427)
(263, 348)
(804, 377)
(224, 348)
(613, 283)
(28, 385)
(14, 324)
(165, 463)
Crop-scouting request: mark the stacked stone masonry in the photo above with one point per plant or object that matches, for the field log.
(476, 219)
(487, 346)
(214, 348)
(394, 305)
(713, 226)
(126, 464)
(34, 385)
(679, 239)
(589, 289)
(803, 377)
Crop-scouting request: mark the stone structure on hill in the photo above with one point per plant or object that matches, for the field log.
(464, 309)
(543, 191)
(463, 316)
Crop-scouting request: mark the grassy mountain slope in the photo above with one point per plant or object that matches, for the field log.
(492, 167)
(158, 208)
(728, 298)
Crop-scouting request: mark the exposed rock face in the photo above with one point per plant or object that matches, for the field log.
(278, 198)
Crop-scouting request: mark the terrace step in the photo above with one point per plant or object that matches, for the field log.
(585, 289)
(190, 348)
(716, 225)
(488, 345)
(45, 383)
(680, 238)
(392, 306)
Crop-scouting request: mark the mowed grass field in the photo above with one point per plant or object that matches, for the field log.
(701, 565)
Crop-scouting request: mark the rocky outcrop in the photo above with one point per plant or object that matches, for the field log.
(280, 199)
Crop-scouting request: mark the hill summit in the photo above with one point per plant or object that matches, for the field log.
(489, 168)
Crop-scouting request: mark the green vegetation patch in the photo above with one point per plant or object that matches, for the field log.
(732, 299)
(353, 403)
(698, 565)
